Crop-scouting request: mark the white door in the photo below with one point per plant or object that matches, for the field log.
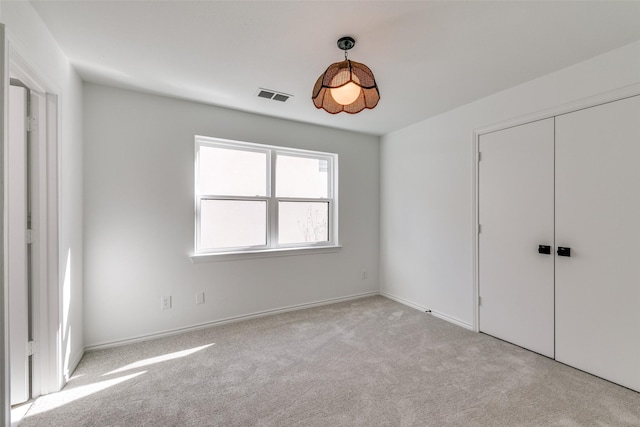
(515, 202)
(17, 271)
(598, 217)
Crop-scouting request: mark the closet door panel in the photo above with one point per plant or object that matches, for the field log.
(515, 202)
(598, 217)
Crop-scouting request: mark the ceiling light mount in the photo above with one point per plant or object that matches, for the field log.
(345, 43)
(347, 86)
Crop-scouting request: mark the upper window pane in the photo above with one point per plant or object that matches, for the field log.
(302, 177)
(229, 172)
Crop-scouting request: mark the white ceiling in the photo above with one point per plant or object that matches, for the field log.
(427, 56)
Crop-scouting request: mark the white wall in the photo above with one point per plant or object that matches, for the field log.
(32, 40)
(139, 218)
(426, 183)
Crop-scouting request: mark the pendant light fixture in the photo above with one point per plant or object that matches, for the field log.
(347, 86)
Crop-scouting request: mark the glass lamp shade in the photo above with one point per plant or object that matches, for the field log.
(347, 86)
(345, 94)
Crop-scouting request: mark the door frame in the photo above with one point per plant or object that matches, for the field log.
(588, 102)
(19, 253)
(46, 291)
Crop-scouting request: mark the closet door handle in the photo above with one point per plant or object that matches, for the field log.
(544, 249)
(564, 251)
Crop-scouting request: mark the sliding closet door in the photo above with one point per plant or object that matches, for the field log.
(515, 202)
(598, 217)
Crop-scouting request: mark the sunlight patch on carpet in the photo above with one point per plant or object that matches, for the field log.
(158, 359)
(56, 400)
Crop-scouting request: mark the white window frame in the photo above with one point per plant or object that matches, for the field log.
(272, 201)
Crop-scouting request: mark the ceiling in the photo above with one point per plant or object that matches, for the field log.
(428, 57)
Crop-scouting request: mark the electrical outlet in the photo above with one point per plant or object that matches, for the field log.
(363, 274)
(200, 298)
(165, 303)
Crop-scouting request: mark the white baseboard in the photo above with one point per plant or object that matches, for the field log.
(452, 320)
(170, 332)
(437, 314)
(404, 301)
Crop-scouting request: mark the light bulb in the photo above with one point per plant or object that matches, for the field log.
(347, 94)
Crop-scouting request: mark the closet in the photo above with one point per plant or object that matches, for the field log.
(559, 242)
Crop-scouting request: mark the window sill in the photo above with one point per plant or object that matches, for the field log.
(266, 253)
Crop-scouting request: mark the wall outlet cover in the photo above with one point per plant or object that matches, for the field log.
(200, 298)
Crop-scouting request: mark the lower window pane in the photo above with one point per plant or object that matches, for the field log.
(232, 223)
(303, 222)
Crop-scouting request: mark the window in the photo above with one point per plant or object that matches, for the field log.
(252, 197)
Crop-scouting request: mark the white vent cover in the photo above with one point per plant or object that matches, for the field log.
(272, 94)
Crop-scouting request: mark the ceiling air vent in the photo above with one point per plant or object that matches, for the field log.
(265, 94)
(273, 95)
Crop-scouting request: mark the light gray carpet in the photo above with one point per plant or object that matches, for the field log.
(368, 362)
